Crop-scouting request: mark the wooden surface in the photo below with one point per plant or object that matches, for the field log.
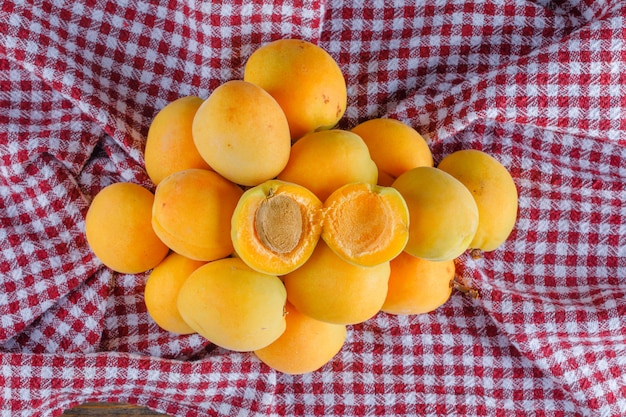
(110, 409)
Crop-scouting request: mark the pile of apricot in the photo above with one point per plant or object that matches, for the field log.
(270, 230)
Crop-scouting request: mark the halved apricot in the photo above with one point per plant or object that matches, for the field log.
(366, 224)
(276, 226)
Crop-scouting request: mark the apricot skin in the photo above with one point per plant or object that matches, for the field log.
(305, 346)
(304, 79)
(493, 189)
(326, 160)
(242, 133)
(169, 144)
(192, 213)
(119, 231)
(233, 306)
(395, 147)
(443, 213)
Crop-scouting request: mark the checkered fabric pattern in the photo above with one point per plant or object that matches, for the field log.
(541, 85)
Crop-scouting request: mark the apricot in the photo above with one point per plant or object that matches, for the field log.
(366, 224)
(119, 231)
(394, 146)
(443, 213)
(161, 292)
(192, 212)
(233, 306)
(242, 133)
(276, 226)
(305, 346)
(417, 286)
(304, 79)
(169, 144)
(326, 160)
(330, 289)
(494, 191)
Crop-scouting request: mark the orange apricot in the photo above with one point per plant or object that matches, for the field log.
(161, 292)
(119, 231)
(366, 224)
(276, 226)
(326, 160)
(417, 286)
(494, 191)
(330, 289)
(395, 147)
(242, 133)
(443, 213)
(192, 213)
(169, 144)
(233, 306)
(304, 79)
(305, 346)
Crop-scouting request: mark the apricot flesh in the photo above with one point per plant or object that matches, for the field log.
(418, 286)
(330, 289)
(161, 292)
(366, 224)
(169, 144)
(242, 133)
(192, 213)
(233, 306)
(443, 213)
(119, 230)
(394, 146)
(326, 160)
(276, 226)
(304, 79)
(305, 346)
(494, 191)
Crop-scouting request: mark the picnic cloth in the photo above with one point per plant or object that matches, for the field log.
(540, 85)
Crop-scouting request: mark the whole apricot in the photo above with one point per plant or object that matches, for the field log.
(366, 224)
(394, 146)
(242, 133)
(443, 213)
(330, 289)
(304, 79)
(192, 213)
(233, 306)
(305, 346)
(161, 292)
(494, 191)
(417, 286)
(119, 231)
(169, 144)
(326, 160)
(276, 226)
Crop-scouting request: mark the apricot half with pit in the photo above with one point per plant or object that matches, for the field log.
(366, 224)
(276, 226)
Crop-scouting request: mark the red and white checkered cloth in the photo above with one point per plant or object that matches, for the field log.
(541, 85)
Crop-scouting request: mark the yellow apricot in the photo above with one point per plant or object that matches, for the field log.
(304, 79)
(169, 144)
(330, 289)
(326, 160)
(118, 229)
(233, 306)
(276, 226)
(161, 292)
(395, 147)
(443, 213)
(192, 212)
(305, 346)
(493, 189)
(242, 133)
(366, 224)
(417, 286)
